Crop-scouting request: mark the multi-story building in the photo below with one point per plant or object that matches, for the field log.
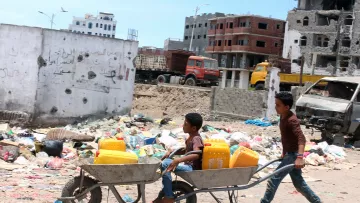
(242, 41)
(200, 24)
(102, 25)
(326, 33)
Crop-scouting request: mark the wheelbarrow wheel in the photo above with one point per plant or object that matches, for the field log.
(72, 188)
(181, 188)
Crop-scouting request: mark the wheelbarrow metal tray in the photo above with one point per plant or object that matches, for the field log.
(124, 173)
(218, 177)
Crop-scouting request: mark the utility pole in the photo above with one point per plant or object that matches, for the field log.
(53, 16)
(194, 24)
(302, 59)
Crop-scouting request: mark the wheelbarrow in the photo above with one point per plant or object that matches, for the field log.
(201, 181)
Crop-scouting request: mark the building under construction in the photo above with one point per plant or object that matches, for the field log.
(327, 34)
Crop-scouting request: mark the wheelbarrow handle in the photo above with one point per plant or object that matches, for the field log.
(267, 164)
(187, 154)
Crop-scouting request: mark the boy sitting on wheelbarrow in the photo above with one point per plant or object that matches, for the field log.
(293, 141)
(192, 125)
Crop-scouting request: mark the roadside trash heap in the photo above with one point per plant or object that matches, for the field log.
(144, 137)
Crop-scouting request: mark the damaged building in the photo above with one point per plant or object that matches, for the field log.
(327, 34)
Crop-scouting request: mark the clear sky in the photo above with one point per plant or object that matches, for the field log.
(155, 20)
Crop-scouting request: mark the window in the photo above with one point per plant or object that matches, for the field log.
(106, 18)
(205, 24)
(199, 36)
(83, 32)
(105, 26)
(278, 26)
(192, 26)
(263, 26)
(200, 24)
(204, 36)
(242, 24)
(303, 41)
(191, 63)
(259, 68)
(99, 34)
(229, 42)
(95, 33)
(78, 32)
(198, 63)
(194, 37)
(195, 26)
(84, 24)
(108, 36)
(89, 33)
(346, 42)
(77, 23)
(334, 89)
(74, 31)
(100, 25)
(243, 42)
(109, 27)
(100, 17)
(349, 20)
(186, 37)
(97, 24)
(326, 42)
(231, 25)
(260, 43)
(296, 41)
(113, 36)
(306, 21)
(187, 27)
(114, 27)
(221, 26)
(90, 25)
(219, 43)
(276, 44)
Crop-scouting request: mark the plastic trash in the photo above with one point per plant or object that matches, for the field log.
(53, 148)
(238, 137)
(335, 150)
(233, 149)
(127, 198)
(9, 153)
(258, 122)
(55, 163)
(21, 161)
(245, 144)
(42, 155)
(39, 137)
(168, 141)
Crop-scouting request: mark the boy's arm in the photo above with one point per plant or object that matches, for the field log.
(296, 129)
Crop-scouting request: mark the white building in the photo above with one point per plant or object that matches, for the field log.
(102, 25)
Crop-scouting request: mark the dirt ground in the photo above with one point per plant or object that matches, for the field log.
(164, 100)
(24, 183)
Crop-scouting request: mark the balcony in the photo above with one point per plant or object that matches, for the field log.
(227, 48)
(242, 30)
(214, 49)
(211, 32)
(229, 31)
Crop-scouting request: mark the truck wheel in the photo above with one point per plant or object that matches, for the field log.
(259, 86)
(190, 82)
(161, 79)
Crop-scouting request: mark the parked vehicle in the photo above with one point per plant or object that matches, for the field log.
(176, 67)
(332, 105)
(287, 79)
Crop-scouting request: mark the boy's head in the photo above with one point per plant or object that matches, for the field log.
(283, 103)
(192, 123)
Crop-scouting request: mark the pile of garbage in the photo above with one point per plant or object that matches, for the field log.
(144, 136)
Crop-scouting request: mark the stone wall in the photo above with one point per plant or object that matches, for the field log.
(58, 77)
(238, 103)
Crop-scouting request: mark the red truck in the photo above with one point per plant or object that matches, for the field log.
(154, 66)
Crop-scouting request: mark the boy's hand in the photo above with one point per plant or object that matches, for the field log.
(299, 163)
(173, 165)
(166, 155)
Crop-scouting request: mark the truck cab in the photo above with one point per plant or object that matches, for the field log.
(259, 75)
(201, 70)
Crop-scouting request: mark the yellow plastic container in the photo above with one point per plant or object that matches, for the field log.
(244, 157)
(115, 157)
(112, 144)
(216, 155)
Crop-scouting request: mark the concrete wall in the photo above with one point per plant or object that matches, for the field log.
(238, 103)
(59, 77)
(173, 44)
